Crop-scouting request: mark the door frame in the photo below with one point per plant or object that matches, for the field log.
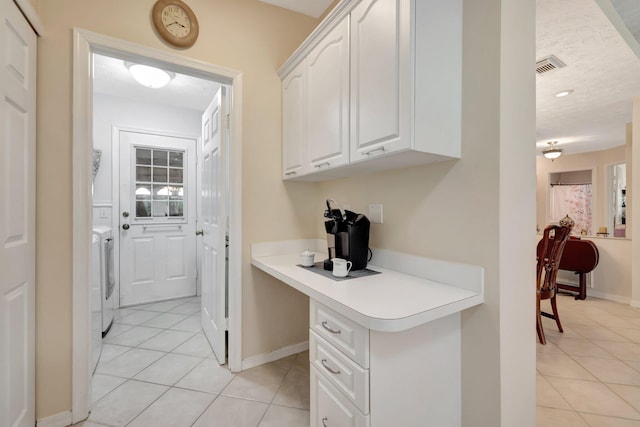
(115, 190)
(85, 43)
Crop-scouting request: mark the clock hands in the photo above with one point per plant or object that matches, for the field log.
(176, 22)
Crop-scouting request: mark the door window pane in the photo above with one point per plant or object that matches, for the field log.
(175, 159)
(143, 192)
(143, 209)
(175, 209)
(143, 156)
(160, 157)
(160, 209)
(159, 174)
(159, 187)
(175, 176)
(143, 173)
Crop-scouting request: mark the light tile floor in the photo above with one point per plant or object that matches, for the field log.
(157, 369)
(589, 376)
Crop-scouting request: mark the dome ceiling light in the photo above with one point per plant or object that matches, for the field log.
(553, 152)
(149, 76)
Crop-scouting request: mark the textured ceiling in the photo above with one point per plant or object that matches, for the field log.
(111, 77)
(313, 8)
(601, 69)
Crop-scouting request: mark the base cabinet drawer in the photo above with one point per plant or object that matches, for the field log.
(329, 408)
(345, 374)
(344, 334)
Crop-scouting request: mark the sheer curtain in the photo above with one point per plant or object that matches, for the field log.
(573, 200)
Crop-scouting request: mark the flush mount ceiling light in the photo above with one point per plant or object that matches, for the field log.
(149, 76)
(553, 152)
(564, 93)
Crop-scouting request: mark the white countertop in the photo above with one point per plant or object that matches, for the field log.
(391, 301)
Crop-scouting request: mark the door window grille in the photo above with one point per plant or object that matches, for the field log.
(159, 187)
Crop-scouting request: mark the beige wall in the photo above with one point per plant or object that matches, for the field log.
(459, 210)
(598, 161)
(478, 210)
(245, 35)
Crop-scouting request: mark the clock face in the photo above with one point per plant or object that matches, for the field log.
(176, 20)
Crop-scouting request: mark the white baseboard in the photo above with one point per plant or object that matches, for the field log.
(63, 419)
(261, 359)
(611, 297)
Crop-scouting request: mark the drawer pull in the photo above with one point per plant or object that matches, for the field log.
(370, 153)
(321, 165)
(328, 328)
(324, 422)
(328, 368)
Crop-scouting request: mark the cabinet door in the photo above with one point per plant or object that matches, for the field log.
(329, 408)
(379, 71)
(293, 129)
(327, 100)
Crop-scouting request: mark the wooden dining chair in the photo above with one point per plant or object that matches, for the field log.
(550, 250)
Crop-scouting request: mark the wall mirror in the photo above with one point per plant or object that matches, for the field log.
(617, 199)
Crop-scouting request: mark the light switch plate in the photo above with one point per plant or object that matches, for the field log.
(375, 213)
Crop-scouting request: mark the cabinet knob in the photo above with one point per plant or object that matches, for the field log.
(125, 226)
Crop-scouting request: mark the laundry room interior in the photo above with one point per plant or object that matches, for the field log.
(146, 141)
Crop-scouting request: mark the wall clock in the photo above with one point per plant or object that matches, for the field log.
(175, 22)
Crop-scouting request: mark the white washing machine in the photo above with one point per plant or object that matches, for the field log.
(107, 275)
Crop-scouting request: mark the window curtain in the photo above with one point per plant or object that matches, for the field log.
(575, 201)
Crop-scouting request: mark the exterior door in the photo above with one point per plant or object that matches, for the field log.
(213, 219)
(157, 217)
(17, 218)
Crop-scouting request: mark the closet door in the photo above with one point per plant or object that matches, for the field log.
(17, 218)
(327, 100)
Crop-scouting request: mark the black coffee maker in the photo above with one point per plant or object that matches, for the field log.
(347, 237)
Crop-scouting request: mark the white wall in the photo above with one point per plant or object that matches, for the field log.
(111, 111)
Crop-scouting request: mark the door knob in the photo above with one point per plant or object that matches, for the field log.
(125, 214)
(125, 226)
(199, 232)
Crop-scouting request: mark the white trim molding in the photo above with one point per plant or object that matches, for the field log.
(63, 419)
(261, 359)
(85, 43)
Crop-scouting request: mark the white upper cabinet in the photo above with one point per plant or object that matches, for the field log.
(293, 135)
(379, 96)
(383, 81)
(327, 100)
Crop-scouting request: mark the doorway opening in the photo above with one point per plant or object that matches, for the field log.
(168, 199)
(571, 194)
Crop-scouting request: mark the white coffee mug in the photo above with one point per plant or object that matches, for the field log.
(341, 267)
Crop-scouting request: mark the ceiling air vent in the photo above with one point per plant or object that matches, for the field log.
(547, 64)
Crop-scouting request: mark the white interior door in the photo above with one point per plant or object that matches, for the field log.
(213, 219)
(17, 218)
(157, 217)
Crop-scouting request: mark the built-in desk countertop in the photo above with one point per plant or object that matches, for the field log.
(410, 290)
